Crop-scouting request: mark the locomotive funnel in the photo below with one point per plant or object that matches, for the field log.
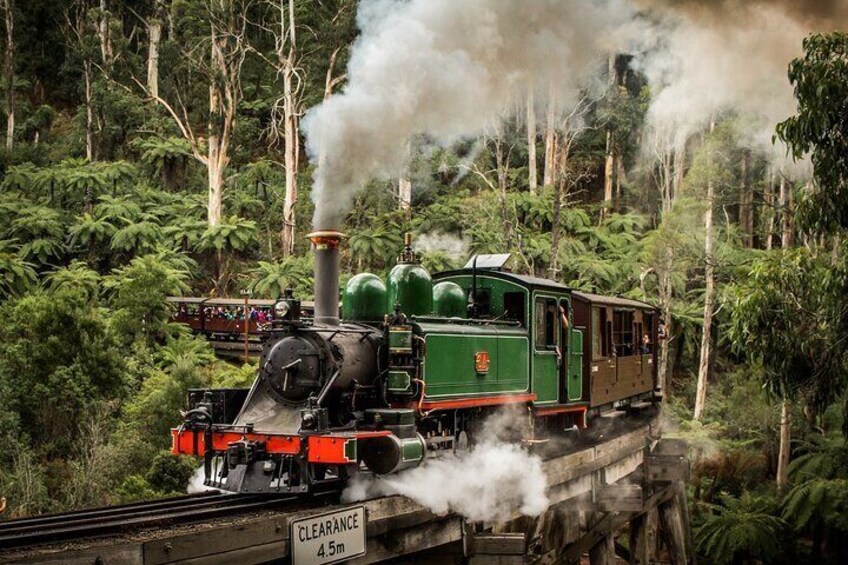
(325, 245)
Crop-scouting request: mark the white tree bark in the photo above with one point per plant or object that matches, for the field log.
(786, 241)
(550, 140)
(89, 111)
(291, 146)
(709, 297)
(785, 443)
(9, 73)
(154, 30)
(532, 171)
(103, 31)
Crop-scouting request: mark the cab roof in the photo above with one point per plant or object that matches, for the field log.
(523, 280)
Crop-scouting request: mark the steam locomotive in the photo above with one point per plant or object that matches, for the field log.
(415, 365)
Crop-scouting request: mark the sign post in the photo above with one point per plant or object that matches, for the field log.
(246, 317)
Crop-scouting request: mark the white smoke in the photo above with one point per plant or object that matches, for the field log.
(493, 481)
(451, 245)
(446, 69)
(195, 485)
(707, 59)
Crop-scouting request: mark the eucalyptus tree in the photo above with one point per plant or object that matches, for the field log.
(215, 51)
(791, 319)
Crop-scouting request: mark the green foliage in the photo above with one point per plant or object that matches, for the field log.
(138, 290)
(76, 281)
(744, 528)
(820, 128)
(58, 355)
(170, 473)
(16, 274)
(790, 318)
(271, 279)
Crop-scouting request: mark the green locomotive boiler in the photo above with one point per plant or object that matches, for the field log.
(412, 369)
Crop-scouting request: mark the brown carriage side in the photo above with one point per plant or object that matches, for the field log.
(617, 364)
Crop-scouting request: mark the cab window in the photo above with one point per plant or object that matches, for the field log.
(546, 324)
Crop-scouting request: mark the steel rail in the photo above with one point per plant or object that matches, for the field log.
(21, 534)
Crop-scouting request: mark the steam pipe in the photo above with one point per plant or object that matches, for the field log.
(325, 246)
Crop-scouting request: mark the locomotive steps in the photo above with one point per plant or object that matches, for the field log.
(593, 491)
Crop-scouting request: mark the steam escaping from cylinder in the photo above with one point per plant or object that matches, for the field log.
(495, 480)
(448, 70)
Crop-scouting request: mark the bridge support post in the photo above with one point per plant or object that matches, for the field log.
(643, 543)
(675, 532)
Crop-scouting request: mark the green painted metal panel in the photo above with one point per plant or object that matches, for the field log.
(449, 364)
(575, 366)
(495, 288)
(545, 377)
(546, 365)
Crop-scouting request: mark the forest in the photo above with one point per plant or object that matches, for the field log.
(178, 147)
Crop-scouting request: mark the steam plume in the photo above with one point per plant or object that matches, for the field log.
(446, 69)
(494, 481)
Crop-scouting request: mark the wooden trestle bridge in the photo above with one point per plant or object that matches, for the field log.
(621, 498)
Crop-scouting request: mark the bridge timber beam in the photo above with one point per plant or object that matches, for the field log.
(594, 493)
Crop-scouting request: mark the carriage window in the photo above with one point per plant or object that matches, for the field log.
(622, 333)
(546, 323)
(601, 333)
(514, 306)
(597, 333)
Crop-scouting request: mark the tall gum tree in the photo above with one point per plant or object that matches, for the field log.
(820, 130)
(9, 71)
(709, 281)
(220, 63)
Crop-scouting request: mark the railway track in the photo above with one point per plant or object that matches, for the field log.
(27, 532)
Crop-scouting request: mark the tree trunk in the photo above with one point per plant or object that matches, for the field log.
(746, 203)
(404, 192)
(709, 297)
(9, 73)
(609, 161)
(292, 138)
(550, 140)
(155, 36)
(785, 441)
(89, 112)
(502, 170)
(787, 204)
(555, 231)
(619, 175)
(768, 210)
(531, 142)
(215, 176)
(103, 31)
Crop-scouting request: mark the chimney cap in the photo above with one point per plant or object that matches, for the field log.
(330, 238)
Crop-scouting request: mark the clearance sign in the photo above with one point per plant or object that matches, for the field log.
(328, 538)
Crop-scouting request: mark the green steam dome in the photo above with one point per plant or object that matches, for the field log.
(364, 298)
(449, 300)
(410, 285)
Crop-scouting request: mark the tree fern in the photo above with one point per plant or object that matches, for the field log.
(743, 528)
